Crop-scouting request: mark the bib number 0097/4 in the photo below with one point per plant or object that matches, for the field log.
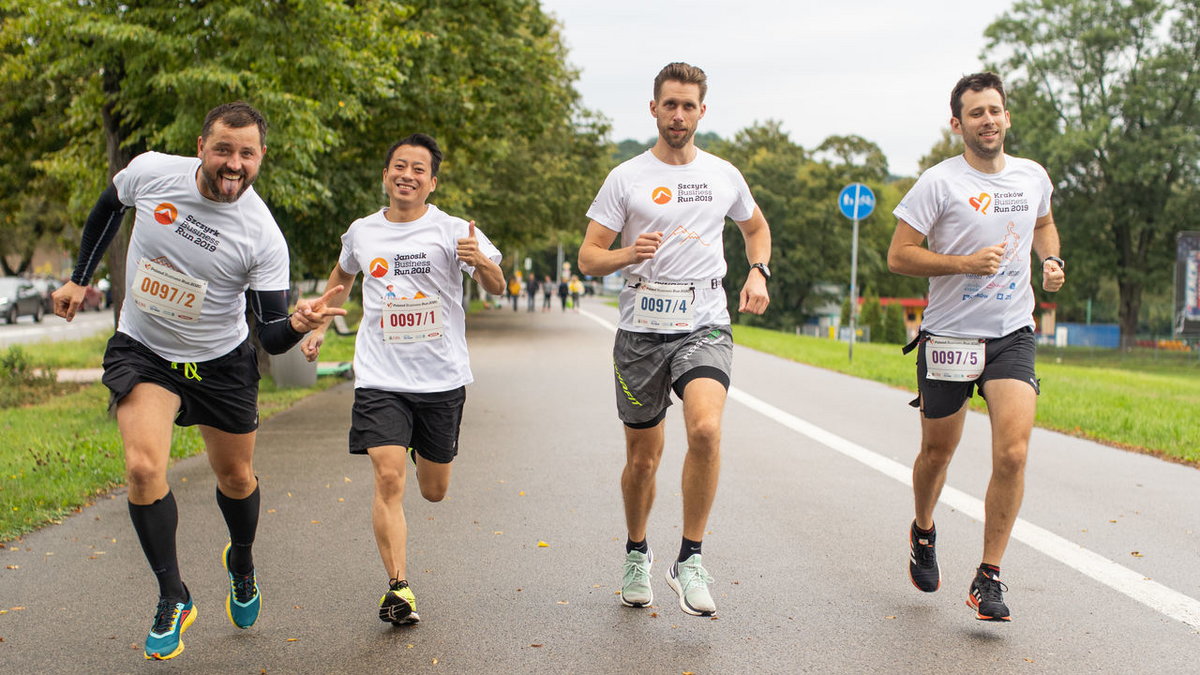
(412, 320)
(664, 305)
(160, 290)
(954, 359)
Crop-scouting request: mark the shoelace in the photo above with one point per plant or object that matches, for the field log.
(694, 574)
(991, 590)
(243, 587)
(164, 616)
(190, 371)
(397, 584)
(924, 553)
(635, 571)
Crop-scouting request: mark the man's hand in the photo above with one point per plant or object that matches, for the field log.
(1053, 276)
(986, 261)
(67, 299)
(313, 314)
(310, 346)
(754, 298)
(645, 246)
(468, 248)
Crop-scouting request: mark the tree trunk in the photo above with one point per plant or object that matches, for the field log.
(118, 157)
(1131, 304)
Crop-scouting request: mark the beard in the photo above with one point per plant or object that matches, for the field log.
(976, 146)
(212, 182)
(674, 143)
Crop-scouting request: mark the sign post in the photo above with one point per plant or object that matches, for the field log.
(856, 202)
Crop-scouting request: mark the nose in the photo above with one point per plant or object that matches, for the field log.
(234, 163)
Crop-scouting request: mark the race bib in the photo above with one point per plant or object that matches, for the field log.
(954, 359)
(664, 305)
(412, 320)
(162, 291)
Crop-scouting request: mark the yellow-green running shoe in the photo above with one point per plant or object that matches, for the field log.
(398, 605)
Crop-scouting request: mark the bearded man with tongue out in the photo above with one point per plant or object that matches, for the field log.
(181, 354)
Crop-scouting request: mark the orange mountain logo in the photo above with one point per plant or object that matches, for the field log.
(165, 213)
(981, 203)
(661, 195)
(378, 267)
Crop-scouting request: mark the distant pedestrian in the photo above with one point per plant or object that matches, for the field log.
(531, 291)
(547, 292)
(514, 291)
(576, 288)
(564, 293)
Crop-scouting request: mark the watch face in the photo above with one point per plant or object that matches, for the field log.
(763, 268)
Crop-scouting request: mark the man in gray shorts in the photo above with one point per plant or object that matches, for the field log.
(669, 205)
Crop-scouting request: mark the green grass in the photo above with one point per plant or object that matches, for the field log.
(1139, 400)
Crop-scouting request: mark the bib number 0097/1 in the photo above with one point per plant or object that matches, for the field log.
(664, 305)
(954, 359)
(160, 290)
(412, 320)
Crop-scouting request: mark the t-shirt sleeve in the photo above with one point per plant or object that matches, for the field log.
(743, 206)
(485, 246)
(147, 167)
(608, 208)
(922, 206)
(271, 271)
(1047, 192)
(347, 259)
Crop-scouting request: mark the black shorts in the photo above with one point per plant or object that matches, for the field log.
(1005, 358)
(220, 393)
(427, 422)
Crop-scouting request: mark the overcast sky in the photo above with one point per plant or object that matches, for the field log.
(880, 69)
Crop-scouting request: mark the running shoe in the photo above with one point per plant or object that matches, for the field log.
(987, 598)
(635, 588)
(398, 605)
(244, 601)
(923, 567)
(171, 618)
(690, 582)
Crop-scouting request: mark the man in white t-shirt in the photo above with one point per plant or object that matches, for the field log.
(982, 212)
(181, 353)
(411, 365)
(669, 206)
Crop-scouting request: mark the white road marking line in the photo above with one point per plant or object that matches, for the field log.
(1150, 593)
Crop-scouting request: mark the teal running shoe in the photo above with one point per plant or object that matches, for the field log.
(635, 587)
(165, 640)
(398, 605)
(690, 582)
(244, 601)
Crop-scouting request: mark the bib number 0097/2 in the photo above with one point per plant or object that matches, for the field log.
(954, 359)
(412, 319)
(160, 290)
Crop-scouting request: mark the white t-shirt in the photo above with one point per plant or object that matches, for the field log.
(688, 203)
(961, 210)
(410, 260)
(232, 246)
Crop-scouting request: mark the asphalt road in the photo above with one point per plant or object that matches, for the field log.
(54, 329)
(807, 543)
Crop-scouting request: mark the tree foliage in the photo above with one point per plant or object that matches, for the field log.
(1105, 94)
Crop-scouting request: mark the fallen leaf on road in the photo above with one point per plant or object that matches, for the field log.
(315, 522)
(542, 544)
(595, 585)
(409, 646)
(1028, 660)
(434, 662)
(653, 615)
(889, 617)
(13, 567)
(564, 602)
(297, 607)
(1112, 521)
(498, 532)
(521, 493)
(17, 609)
(292, 640)
(341, 499)
(289, 494)
(1136, 554)
(271, 511)
(346, 479)
(183, 480)
(535, 645)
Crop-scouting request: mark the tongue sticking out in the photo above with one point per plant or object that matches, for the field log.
(230, 183)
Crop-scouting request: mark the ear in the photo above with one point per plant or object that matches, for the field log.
(653, 108)
(956, 126)
(703, 109)
(199, 145)
(1007, 119)
(433, 183)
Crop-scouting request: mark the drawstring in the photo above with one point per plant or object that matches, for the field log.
(190, 371)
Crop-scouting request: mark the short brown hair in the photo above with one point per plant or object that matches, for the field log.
(681, 72)
(975, 82)
(236, 115)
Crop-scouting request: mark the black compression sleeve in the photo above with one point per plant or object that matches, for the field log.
(102, 225)
(271, 321)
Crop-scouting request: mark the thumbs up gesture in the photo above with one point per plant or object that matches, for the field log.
(468, 247)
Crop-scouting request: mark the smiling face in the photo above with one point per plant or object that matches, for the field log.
(983, 123)
(408, 178)
(229, 161)
(678, 111)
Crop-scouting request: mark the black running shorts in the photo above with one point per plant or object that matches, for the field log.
(427, 422)
(220, 393)
(1005, 358)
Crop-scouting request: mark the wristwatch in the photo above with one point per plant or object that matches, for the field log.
(1061, 265)
(762, 267)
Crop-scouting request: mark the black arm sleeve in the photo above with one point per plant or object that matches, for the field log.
(271, 321)
(102, 225)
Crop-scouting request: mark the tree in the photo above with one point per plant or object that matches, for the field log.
(1105, 94)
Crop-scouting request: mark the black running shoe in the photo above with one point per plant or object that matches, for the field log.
(987, 598)
(922, 562)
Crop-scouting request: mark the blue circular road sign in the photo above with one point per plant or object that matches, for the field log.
(856, 201)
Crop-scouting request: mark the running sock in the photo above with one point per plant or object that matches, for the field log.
(688, 549)
(639, 546)
(923, 533)
(241, 517)
(155, 525)
(993, 571)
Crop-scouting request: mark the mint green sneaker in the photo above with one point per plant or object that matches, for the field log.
(398, 605)
(244, 601)
(165, 640)
(635, 588)
(690, 582)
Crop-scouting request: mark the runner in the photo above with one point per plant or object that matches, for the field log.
(669, 205)
(410, 358)
(181, 352)
(981, 212)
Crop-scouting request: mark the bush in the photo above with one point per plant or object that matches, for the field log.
(21, 383)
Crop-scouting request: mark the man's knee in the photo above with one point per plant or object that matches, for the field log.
(704, 435)
(1010, 460)
(389, 482)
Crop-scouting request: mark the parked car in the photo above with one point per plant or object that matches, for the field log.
(46, 288)
(18, 297)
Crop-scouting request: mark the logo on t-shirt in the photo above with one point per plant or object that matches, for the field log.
(661, 195)
(166, 213)
(981, 203)
(378, 267)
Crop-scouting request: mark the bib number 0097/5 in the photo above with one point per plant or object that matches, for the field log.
(412, 320)
(160, 290)
(954, 359)
(664, 305)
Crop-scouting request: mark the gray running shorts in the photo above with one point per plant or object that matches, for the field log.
(648, 366)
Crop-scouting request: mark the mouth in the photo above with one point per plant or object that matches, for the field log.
(231, 181)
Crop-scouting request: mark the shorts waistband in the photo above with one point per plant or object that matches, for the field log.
(923, 334)
(709, 284)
